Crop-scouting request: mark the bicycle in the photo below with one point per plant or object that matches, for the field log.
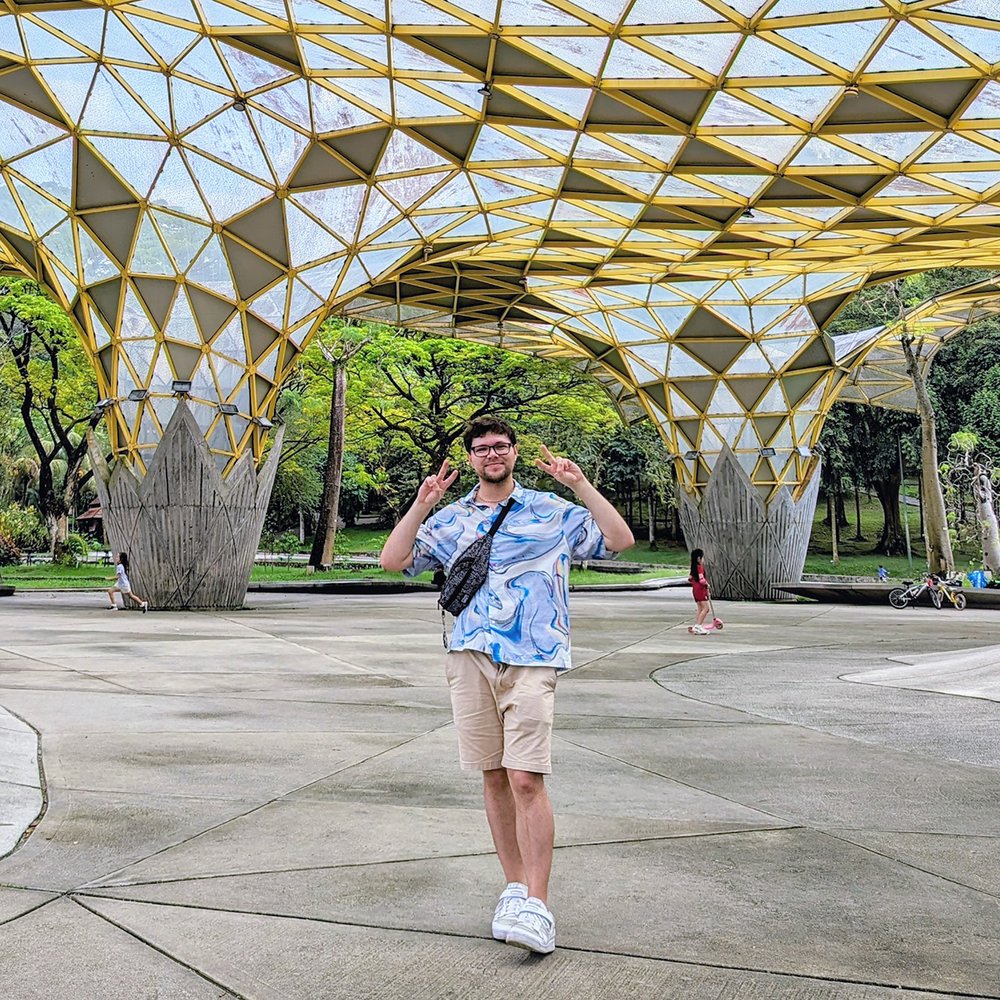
(952, 589)
(936, 589)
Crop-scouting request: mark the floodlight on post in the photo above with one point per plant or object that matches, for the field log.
(138, 395)
(804, 451)
(692, 454)
(767, 452)
(262, 422)
(230, 409)
(181, 387)
(486, 90)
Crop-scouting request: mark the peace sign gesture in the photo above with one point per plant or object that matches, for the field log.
(563, 470)
(433, 488)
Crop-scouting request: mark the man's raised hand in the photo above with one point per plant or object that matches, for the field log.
(563, 470)
(433, 488)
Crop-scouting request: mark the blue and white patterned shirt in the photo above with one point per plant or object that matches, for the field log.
(521, 616)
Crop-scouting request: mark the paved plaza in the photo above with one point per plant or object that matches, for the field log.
(265, 804)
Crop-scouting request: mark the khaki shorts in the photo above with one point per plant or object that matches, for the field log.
(503, 713)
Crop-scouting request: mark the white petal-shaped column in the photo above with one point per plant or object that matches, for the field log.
(190, 535)
(750, 544)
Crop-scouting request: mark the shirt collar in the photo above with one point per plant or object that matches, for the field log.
(517, 495)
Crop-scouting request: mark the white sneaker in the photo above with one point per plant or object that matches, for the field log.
(509, 905)
(535, 929)
(699, 630)
(112, 607)
(145, 606)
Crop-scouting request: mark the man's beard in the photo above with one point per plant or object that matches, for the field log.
(497, 475)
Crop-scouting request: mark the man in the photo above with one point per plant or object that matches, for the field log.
(509, 644)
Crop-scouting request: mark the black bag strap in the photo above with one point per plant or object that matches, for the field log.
(498, 520)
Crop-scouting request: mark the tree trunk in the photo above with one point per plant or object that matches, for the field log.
(920, 504)
(842, 521)
(989, 531)
(892, 542)
(302, 527)
(651, 517)
(831, 510)
(939, 555)
(858, 537)
(326, 521)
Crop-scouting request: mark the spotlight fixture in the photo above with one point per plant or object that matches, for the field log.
(747, 213)
(138, 395)
(181, 387)
(852, 90)
(767, 452)
(263, 422)
(228, 408)
(486, 90)
(692, 454)
(103, 404)
(239, 104)
(804, 451)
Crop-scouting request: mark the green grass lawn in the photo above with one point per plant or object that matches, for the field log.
(41, 576)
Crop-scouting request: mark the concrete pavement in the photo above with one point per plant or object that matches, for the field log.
(266, 804)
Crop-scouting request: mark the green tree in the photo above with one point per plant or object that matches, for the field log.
(410, 397)
(45, 372)
(328, 359)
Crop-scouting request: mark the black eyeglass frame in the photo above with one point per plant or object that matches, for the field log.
(501, 449)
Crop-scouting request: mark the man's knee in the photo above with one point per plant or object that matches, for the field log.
(495, 778)
(525, 784)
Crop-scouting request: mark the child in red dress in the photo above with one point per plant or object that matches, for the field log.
(700, 590)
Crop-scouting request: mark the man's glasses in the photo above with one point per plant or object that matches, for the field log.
(501, 449)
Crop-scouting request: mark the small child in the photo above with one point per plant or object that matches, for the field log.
(883, 574)
(700, 591)
(122, 585)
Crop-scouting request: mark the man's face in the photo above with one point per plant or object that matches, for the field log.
(487, 464)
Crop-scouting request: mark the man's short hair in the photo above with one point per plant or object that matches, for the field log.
(481, 426)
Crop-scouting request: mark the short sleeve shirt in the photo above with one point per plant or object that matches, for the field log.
(521, 615)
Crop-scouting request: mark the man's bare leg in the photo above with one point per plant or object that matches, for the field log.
(501, 814)
(535, 830)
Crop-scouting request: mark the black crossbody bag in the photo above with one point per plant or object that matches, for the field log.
(471, 569)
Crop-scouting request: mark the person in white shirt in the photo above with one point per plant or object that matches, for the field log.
(122, 585)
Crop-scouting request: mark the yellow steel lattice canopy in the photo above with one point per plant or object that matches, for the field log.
(877, 362)
(202, 180)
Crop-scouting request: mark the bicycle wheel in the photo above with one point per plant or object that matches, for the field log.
(936, 599)
(959, 601)
(898, 598)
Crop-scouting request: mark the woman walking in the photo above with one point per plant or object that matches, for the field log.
(122, 585)
(700, 592)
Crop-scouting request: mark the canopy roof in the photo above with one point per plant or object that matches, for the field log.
(875, 357)
(203, 180)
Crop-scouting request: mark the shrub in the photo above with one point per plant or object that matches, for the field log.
(287, 544)
(10, 554)
(71, 551)
(24, 527)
